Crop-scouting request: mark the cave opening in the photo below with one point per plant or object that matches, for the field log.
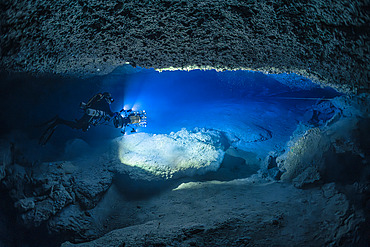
(255, 113)
(260, 111)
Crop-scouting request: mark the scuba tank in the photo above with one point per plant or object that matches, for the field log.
(96, 113)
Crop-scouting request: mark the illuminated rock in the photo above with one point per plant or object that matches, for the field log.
(328, 153)
(173, 155)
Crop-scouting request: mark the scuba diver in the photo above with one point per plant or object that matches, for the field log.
(96, 111)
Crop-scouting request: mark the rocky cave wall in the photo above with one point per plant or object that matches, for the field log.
(326, 41)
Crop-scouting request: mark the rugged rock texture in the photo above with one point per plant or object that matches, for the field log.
(309, 156)
(52, 193)
(184, 153)
(325, 41)
(65, 196)
(90, 197)
(239, 213)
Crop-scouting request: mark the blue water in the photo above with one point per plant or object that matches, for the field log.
(243, 103)
(258, 112)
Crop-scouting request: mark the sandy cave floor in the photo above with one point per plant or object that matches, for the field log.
(245, 212)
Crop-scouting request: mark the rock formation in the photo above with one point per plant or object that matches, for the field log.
(184, 153)
(79, 200)
(325, 41)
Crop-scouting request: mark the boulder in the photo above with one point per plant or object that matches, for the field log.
(184, 153)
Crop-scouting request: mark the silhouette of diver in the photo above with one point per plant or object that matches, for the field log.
(96, 111)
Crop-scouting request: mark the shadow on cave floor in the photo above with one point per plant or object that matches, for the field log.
(139, 189)
(10, 230)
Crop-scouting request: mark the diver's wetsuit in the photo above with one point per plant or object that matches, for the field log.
(99, 102)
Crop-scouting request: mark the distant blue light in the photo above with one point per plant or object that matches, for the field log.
(244, 103)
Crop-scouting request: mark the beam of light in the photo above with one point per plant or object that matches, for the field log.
(254, 180)
(295, 98)
(240, 103)
(127, 107)
(137, 106)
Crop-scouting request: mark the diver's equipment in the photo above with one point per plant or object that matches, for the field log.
(97, 116)
(108, 97)
(47, 135)
(83, 105)
(129, 117)
(119, 121)
(96, 113)
(134, 119)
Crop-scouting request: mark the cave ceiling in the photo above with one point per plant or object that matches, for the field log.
(326, 41)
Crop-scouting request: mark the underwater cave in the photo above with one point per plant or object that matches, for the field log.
(184, 123)
(205, 130)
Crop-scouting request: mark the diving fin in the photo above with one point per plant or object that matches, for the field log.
(47, 135)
